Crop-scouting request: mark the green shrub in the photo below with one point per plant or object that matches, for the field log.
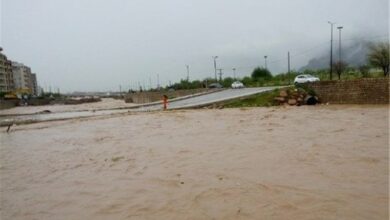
(261, 73)
(306, 88)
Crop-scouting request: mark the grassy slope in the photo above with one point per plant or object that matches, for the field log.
(262, 99)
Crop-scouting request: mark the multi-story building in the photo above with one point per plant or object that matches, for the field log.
(6, 76)
(16, 76)
(9, 76)
(22, 76)
(34, 84)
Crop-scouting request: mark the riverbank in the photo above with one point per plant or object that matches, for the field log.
(105, 103)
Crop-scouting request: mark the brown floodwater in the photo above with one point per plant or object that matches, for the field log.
(322, 162)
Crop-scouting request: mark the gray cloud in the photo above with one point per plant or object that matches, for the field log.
(98, 45)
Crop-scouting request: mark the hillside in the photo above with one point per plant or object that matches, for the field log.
(354, 54)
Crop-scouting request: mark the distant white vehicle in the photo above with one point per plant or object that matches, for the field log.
(215, 86)
(305, 78)
(237, 85)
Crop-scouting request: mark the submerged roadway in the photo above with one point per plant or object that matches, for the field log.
(190, 102)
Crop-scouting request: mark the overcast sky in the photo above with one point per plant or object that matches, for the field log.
(97, 45)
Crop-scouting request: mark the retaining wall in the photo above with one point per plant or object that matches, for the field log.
(359, 91)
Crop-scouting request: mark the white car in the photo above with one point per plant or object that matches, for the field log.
(237, 85)
(305, 78)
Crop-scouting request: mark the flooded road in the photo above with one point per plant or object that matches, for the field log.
(97, 109)
(213, 98)
(321, 162)
(104, 104)
(56, 116)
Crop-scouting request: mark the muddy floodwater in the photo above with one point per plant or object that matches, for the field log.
(322, 162)
(104, 104)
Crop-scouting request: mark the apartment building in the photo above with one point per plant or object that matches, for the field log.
(6, 76)
(16, 76)
(22, 76)
(34, 84)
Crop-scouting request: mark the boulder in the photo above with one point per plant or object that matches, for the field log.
(283, 93)
(279, 99)
(292, 101)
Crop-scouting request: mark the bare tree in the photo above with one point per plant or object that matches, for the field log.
(379, 56)
(340, 67)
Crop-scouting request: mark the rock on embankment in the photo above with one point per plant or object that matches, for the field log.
(296, 97)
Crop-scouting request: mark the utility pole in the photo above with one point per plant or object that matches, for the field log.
(150, 83)
(339, 64)
(340, 27)
(158, 82)
(265, 61)
(288, 71)
(188, 72)
(220, 75)
(234, 73)
(215, 66)
(331, 49)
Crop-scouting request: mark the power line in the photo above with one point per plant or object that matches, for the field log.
(303, 52)
(311, 49)
(293, 54)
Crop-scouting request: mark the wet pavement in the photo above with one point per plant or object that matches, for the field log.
(211, 98)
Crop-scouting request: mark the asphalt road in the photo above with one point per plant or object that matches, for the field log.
(208, 99)
(191, 102)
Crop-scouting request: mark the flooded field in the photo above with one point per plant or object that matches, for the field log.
(322, 162)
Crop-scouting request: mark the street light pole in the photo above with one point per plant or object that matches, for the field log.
(158, 81)
(215, 66)
(265, 61)
(288, 65)
(220, 75)
(188, 72)
(340, 27)
(234, 73)
(331, 49)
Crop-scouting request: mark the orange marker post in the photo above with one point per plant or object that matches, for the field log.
(165, 102)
